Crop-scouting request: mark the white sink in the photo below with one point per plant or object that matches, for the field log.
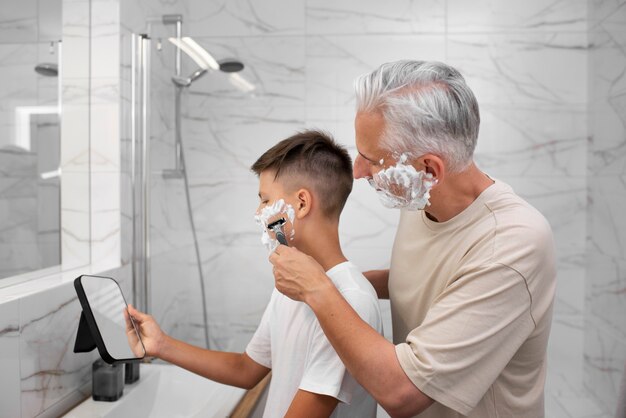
(165, 391)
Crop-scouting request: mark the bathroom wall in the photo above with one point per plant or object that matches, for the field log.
(605, 295)
(526, 62)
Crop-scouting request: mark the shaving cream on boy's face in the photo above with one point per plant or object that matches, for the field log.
(269, 214)
(402, 186)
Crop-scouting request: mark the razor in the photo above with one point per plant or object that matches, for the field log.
(277, 228)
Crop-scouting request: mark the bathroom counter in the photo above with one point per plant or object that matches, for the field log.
(165, 391)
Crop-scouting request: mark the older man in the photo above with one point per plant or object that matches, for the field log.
(472, 273)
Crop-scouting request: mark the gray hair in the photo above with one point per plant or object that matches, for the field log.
(427, 108)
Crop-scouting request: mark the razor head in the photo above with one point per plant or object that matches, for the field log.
(277, 224)
(277, 228)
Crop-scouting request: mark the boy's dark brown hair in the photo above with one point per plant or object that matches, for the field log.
(311, 158)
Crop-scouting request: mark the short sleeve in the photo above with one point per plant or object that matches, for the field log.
(324, 372)
(469, 335)
(259, 348)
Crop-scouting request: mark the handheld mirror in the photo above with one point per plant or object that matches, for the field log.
(105, 320)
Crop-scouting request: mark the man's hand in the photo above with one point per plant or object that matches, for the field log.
(151, 334)
(297, 275)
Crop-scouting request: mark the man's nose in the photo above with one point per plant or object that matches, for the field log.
(360, 169)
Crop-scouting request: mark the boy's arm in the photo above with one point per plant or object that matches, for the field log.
(235, 369)
(311, 405)
(380, 281)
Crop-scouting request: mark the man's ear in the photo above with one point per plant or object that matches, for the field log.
(434, 165)
(304, 203)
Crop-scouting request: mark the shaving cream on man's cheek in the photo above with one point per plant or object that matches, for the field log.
(271, 213)
(402, 186)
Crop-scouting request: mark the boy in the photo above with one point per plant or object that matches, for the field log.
(312, 175)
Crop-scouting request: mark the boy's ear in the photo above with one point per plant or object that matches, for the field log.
(305, 199)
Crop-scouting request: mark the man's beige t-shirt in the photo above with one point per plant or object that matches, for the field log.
(471, 301)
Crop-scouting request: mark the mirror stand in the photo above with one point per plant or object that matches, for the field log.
(84, 339)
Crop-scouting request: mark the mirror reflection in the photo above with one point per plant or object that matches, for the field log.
(30, 51)
(110, 314)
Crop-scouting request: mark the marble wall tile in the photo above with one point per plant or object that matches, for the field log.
(75, 127)
(524, 140)
(223, 142)
(75, 60)
(333, 62)
(336, 120)
(50, 370)
(606, 222)
(18, 22)
(274, 65)
(607, 107)
(49, 20)
(327, 17)
(605, 357)
(606, 15)
(10, 359)
(75, 226)
(522, 69)
(511, 16)
(175, 294)
(244, 18)
(105, 39)
(169, 220)
(105, 225)
(224, 212)
(238, 284)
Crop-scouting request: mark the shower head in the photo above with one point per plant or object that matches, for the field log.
(230, 65)
(47, 69)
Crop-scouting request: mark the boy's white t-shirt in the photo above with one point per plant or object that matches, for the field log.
(291, 342)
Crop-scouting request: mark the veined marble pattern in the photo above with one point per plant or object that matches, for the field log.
(605, 360)
(10, 359)
(18, 22)
(223, 142)
(533, 141)
(333, 62)
(245, 18)
(607, 107)
(49, 369)
(369, 16)
(512, 16)
(105, 31)
(609, 15)
(606, 267)
(522, 69)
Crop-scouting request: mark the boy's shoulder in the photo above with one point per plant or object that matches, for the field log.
(357, 291)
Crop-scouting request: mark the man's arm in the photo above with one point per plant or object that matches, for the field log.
(380, 280)
(311, 405)
(235, 369)
(368, 356)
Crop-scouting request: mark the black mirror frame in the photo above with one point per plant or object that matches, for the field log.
(88, 335)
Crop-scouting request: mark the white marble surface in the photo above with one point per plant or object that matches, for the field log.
(10, 359)
(513, 16)
(165, 391)
(242, 18)
(327, 17)
(49, 369)
(333, 62)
